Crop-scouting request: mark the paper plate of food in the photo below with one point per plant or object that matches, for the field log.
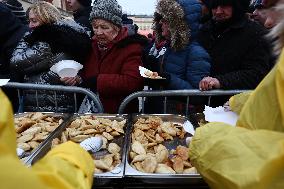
(144, 72)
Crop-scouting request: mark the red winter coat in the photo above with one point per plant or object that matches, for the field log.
(116, 71)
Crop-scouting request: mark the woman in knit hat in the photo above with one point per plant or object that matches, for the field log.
(52, 39)
(112, 69)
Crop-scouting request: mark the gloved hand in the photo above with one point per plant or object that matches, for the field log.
(227, 107)
(20, 152)
(188, 140)
(92, 144)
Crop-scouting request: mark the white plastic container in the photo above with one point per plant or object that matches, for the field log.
(66, 68)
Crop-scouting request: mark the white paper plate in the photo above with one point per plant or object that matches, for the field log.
(220, 115)
(4, 82)
(144, 70)
(66, 68)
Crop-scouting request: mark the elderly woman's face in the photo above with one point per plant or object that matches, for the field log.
(104, 31)
(33, 20)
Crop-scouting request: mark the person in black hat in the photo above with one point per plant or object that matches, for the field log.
(81, 12)
(127, 22)
(240, 53)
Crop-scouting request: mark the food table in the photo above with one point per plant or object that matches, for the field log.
(140, 151)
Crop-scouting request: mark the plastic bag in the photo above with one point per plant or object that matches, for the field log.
(237, 158)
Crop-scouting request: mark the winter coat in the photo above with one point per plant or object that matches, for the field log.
(183, 59)
(41, 49)
(17, 9)
(240, 55)
(116, 73)
(82, 17)
(67, 165)
(11, 32)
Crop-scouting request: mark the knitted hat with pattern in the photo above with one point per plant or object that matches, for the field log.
(108, 10)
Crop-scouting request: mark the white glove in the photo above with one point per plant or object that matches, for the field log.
(20, 152)
(227, 107)
(188, 140)
(92, 144)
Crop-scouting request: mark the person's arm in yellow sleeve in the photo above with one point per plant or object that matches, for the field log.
(237, 158)
(238, 101)
(67, 166)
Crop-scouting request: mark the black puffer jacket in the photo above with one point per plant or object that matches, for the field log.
(240, 55)
(41, 49)
(11, 32)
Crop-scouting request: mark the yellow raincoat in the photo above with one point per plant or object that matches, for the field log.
(67, 166)
(251, 155)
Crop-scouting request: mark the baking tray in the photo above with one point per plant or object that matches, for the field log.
(99, 179)
(160, 179)
(27, 156)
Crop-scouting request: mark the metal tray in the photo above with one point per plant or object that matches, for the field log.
(99, 179)
(26, 157)
(161, 179)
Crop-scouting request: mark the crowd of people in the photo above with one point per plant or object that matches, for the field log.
(205, 45)
(218, 44)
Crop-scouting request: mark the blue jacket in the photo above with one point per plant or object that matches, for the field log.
(187, 67)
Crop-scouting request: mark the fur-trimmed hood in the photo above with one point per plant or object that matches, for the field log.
(183, 17)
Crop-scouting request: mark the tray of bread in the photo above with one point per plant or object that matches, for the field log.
(109, 160)
(157, 150)
(32, 129)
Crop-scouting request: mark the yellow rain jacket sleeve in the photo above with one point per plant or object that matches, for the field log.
(67, 166)
(265, 107)
(251, 155)
(237, 158)
(238, 101)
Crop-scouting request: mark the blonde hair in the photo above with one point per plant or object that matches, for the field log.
(45, 12)
(278, 31)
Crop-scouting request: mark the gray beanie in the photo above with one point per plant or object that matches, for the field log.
(108, 10)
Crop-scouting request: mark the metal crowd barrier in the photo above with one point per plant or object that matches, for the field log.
(171, 93)
(57, 88)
